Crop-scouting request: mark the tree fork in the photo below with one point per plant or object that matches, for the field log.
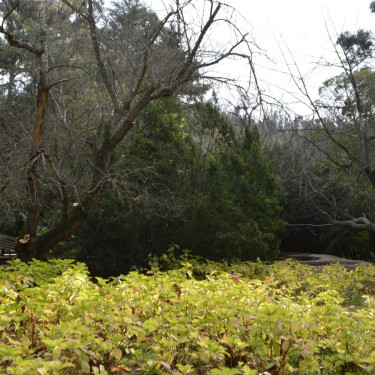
(61, 232)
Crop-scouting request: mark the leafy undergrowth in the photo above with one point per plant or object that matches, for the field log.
(249, 318)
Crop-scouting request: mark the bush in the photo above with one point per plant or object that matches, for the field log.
(287, 319)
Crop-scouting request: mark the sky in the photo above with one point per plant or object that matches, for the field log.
(299, 31)
(303, 31)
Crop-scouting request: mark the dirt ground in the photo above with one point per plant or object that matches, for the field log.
(321, 259)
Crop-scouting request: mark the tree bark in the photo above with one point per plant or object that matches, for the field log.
(26, 249)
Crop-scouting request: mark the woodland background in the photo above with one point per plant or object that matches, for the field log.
(115, 144)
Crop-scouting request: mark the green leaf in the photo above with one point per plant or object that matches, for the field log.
(247, 371)
(117, 353)
(85, 367)
(225, 371)
(56, 354)
(185, 369)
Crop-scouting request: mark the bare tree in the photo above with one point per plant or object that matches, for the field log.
(97, 70)
(343, 132)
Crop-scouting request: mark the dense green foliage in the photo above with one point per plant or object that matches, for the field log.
(199, 185)
(286, 318)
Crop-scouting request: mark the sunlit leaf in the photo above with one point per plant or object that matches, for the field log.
(117, 353)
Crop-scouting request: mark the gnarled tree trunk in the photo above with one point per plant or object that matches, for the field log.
(25, 248)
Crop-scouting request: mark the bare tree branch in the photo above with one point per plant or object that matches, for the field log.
(95, 42)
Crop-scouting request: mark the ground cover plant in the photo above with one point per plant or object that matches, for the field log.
(201, 318)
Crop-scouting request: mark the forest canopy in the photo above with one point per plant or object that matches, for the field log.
(116, 145)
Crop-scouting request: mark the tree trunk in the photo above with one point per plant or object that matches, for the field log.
(60, 232)
(25, 249)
